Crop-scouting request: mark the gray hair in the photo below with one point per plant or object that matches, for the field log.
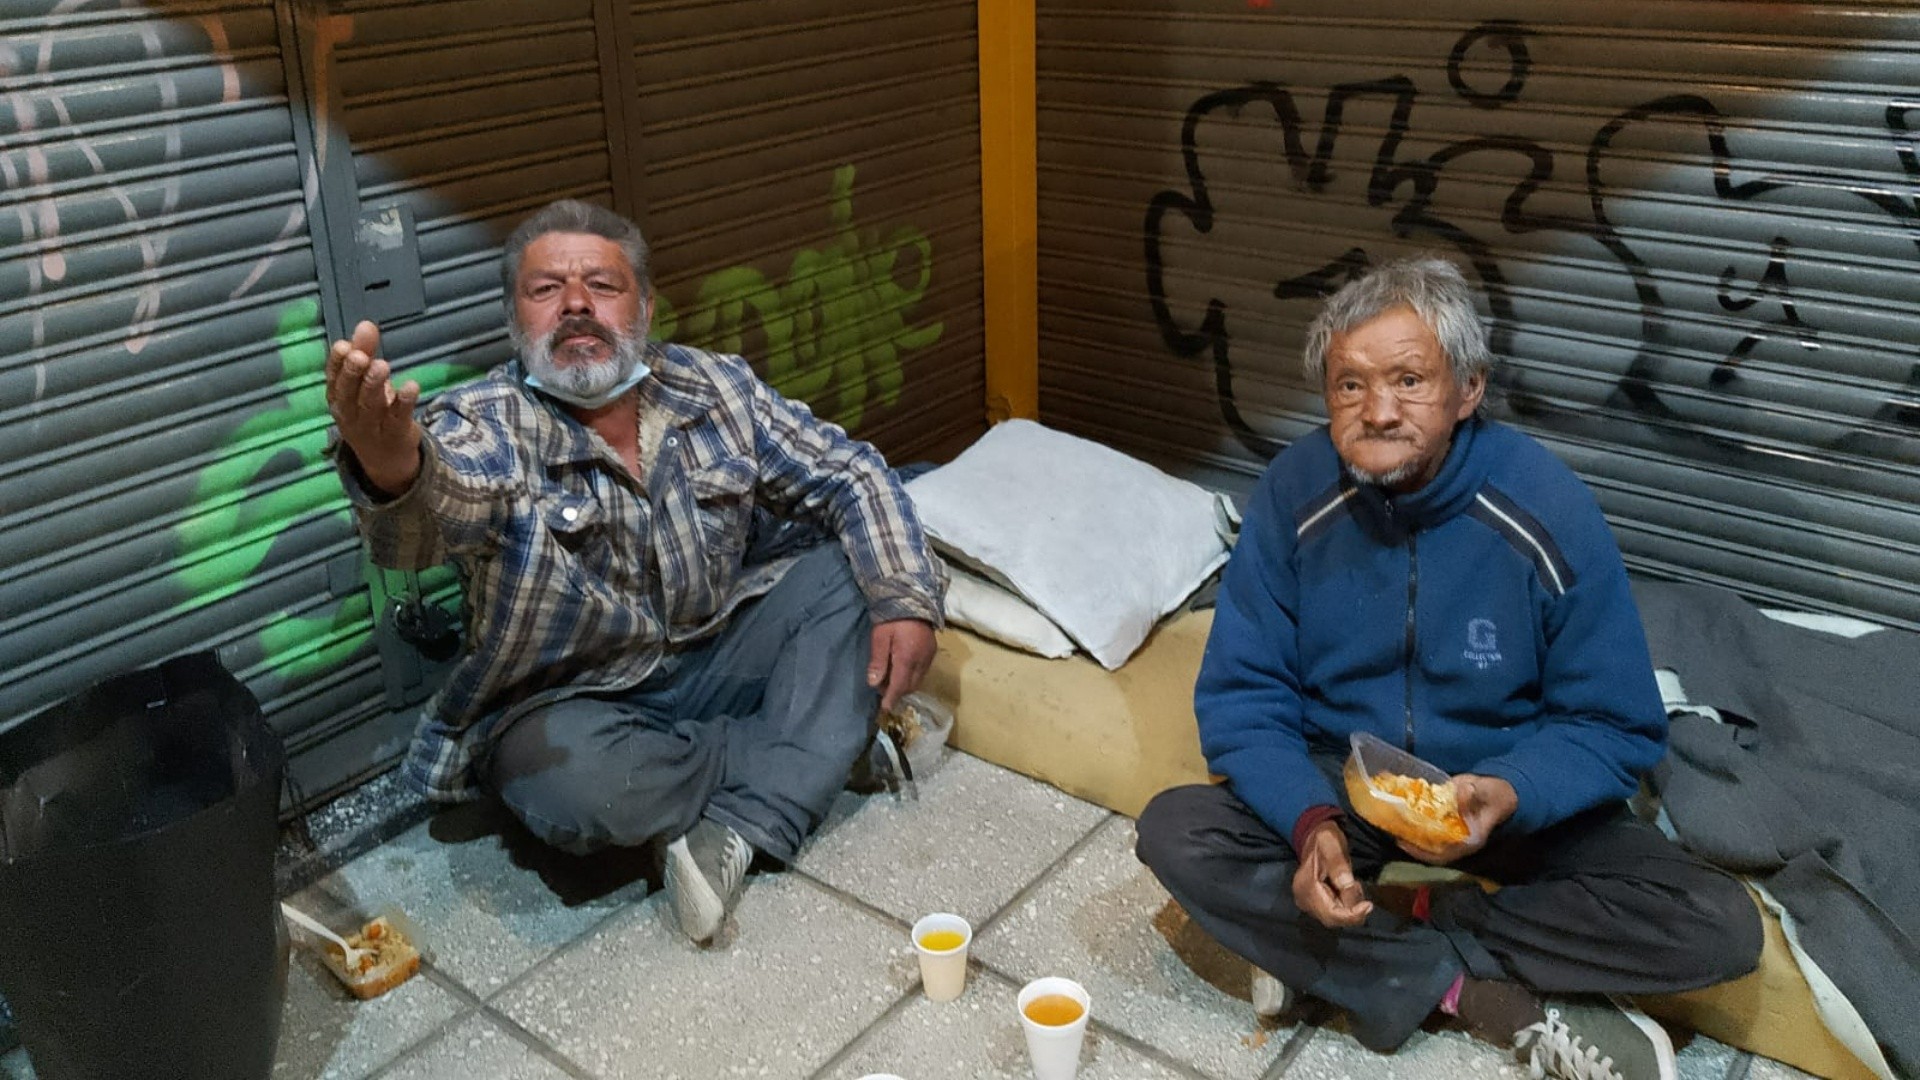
(574, 216)
(1434, 288)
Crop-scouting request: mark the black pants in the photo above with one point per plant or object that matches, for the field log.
(1601, 903)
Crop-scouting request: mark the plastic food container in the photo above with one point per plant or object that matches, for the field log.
(1371, 759)
(394, 940)
(921, 723)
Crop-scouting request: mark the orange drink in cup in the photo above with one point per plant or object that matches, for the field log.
(941, 941)
(1053, 1013)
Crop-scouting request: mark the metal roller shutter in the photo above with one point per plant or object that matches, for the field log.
(161, 329)
(810, 180)
(1696, 224)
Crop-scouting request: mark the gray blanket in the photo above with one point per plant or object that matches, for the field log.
(1811, 787)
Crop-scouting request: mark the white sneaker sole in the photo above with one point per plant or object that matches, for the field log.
(1657, 1035)
(696, 907)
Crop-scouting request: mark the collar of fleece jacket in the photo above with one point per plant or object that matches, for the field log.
(1390, 517)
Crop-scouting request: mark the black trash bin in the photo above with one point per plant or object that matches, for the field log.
(142, 936)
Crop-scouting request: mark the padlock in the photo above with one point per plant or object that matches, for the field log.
(427, 627)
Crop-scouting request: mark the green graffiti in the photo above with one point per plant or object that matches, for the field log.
(230, 528)
(839, 321)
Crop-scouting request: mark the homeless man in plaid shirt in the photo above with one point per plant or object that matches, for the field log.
(628, 675)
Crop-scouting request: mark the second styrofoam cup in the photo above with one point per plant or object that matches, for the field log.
(1053, 1012)
(942, 940)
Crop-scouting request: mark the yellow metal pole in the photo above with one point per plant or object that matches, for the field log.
(1009, 210)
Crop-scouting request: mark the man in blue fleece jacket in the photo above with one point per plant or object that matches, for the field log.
(1445, 583)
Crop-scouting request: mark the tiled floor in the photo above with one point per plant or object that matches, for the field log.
(545, 968)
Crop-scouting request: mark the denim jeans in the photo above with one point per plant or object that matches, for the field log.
(755, 727)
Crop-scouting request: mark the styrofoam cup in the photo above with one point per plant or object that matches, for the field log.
(1055, 1050)
(943, 972)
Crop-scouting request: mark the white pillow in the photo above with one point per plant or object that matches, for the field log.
(991, 611)
(1103, 544)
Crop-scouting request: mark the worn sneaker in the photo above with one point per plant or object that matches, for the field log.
(1270, 996)
(706, 870)
(1597, 1039)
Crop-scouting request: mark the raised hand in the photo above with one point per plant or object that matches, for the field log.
(375, 419)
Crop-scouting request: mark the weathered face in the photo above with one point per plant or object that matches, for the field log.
(579, 314)
(576, 294)
(1393, 401)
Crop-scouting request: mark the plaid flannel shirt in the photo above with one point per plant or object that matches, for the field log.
(580, 577)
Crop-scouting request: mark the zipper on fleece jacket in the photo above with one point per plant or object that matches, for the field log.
(1413, 577)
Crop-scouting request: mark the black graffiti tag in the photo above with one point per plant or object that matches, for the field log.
(1412, 189)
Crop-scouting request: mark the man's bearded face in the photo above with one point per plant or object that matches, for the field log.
(580, 319)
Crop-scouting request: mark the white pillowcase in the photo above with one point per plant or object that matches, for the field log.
(991, 611)
(1102, 544)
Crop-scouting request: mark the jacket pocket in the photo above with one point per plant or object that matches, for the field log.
(577, 528)
(723, 503)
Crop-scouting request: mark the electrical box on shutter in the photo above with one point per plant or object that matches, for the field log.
(389, 259)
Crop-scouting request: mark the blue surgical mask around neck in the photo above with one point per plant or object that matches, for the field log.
(598, 401)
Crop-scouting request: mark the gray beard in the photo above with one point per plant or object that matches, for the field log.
(1386, 479)
(582, 380)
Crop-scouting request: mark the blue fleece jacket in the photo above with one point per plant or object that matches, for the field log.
(1482, 622)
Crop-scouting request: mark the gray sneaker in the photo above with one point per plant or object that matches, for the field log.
(1597, 1039)
(706, 871)
(1270, 996)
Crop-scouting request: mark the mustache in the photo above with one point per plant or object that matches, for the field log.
(577, 326)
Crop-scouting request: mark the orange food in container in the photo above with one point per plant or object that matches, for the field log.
(1409, 798)
(390, 960)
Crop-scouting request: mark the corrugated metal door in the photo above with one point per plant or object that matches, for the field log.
(811, 186)
(161, 486)
(190, 198)
(1697, 225)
